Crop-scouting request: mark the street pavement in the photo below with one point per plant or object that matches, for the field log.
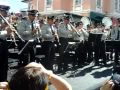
(85, 78)
(88, 78)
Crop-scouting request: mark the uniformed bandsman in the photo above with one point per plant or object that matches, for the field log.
(99, 45)
(80, 35)
(4, 32)
(89, 44)
(65, 34)
(115, 35)
(49, 35)
(29, 31)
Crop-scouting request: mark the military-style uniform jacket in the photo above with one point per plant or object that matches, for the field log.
(24, 28)
(115, 33)
(65, 31)
(106, 34)
(48, 32)
(80, 35)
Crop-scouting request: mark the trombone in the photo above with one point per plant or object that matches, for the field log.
(74, 29)
(11, 27)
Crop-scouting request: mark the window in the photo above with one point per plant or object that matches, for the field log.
(48, 2)
(78, 2)
(117, 5)
(99, 3)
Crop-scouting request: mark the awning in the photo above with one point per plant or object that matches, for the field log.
(94, 16)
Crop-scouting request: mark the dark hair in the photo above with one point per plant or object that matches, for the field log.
(79, 23)
(50, 17)
(29, 78)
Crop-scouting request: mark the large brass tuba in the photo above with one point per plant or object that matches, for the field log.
(85, 22)
(107, 21)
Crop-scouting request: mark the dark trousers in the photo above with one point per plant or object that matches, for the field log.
(80, 54)
(99, 48)
(63, 61)
(28, 53)
(49, 52)
(117, 50)
(89, 50)
(3, 60)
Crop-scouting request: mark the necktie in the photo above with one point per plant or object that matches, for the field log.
(51, 29)
(53, 33)
(118, 35)
(66, 26)
(32, 26)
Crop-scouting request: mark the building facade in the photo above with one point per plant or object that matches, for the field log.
(79, 7)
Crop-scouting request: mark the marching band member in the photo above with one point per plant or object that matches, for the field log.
(65, 35)
(115, 31)
(99, 45)
(106, 32)
(89, 44)
(49, 35)
(115, 35)
(80, 36)
(4, 32)
(29, 30)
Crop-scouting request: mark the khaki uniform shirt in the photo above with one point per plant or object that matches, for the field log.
(24, 28)
(80, 35)
(65, 31)
(115, 33)
(48, 32)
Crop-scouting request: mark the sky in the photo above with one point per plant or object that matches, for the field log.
(17, 5)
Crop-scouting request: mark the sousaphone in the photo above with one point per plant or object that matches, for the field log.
(107, 21)
(85, 21)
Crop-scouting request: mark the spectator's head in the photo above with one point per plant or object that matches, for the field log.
(14, 19)
(29, 78)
